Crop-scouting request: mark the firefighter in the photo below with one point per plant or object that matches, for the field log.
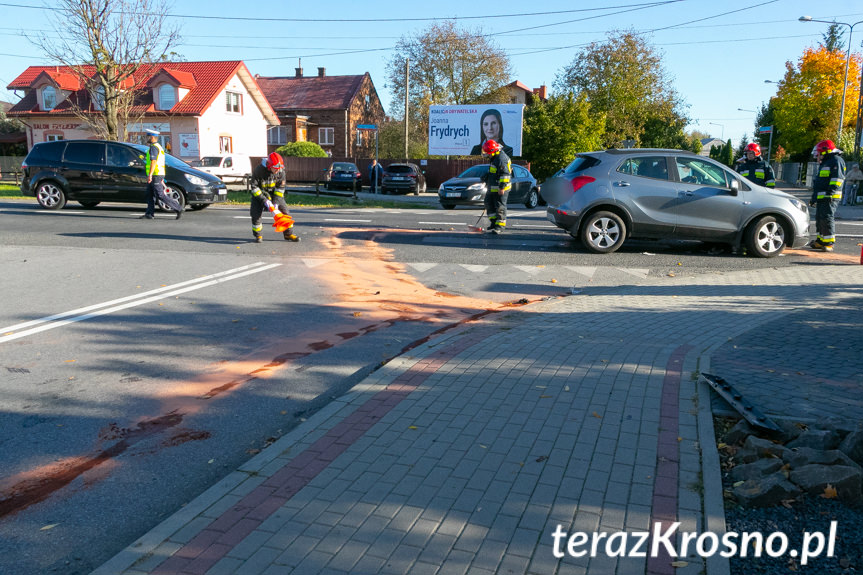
(268, 183)
(826, 193)
(498, 182)
(754, 168)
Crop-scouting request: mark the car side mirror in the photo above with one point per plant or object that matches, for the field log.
(735, 187)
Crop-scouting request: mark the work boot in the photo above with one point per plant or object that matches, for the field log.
(491, 227)
(815, 245)
(146, 217)
(290, 236)
(259, 239)
(827, 247)
(179, 215)
(497, 230)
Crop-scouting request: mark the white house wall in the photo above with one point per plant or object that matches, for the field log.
(248, 131)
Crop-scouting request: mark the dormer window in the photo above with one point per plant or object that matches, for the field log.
(98, 95)
(49, 98)
(167, 96)
(234, 102)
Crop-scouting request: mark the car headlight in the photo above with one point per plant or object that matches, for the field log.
(195, 180)
(442, 189)
(476, 187)
(800, 205)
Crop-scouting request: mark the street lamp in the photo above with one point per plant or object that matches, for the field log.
(745, 110)
(723, 129)
(847, 62)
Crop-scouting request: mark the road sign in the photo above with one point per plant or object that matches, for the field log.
(765, 130)
(366, 127)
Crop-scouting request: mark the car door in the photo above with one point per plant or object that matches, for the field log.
(125, 175)
(520, 185)
(709, 208)
(82, 167)
(642, 185)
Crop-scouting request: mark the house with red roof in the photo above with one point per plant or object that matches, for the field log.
(520, 93)
(200, 108)
(324, 109)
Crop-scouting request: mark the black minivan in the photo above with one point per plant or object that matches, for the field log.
(94, 171)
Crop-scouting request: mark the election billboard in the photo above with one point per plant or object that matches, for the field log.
(461, 130)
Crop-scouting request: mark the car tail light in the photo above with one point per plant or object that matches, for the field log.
(580, 181)
(414, 176)
(24, 165)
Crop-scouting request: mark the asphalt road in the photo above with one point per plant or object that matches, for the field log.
(144, 360)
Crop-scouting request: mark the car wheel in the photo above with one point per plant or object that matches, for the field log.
(89, 203)
(448, 206)
(531, 200)
(50, 196)
(197, 207)
(603, 232)
(765, 238)
(178, 196)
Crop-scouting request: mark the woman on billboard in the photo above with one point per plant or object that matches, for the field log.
(491, 126)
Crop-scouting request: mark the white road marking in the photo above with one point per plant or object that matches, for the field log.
(57, 213)
(344, 220)
(50, 322)
(549, 227)
(422, 267)
(443, 223)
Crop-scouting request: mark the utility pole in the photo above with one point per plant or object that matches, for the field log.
(407, 90)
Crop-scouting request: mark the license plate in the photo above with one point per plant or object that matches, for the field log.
(398, 179)
(453, 195)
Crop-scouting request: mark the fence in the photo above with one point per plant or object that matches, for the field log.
(436, 171)
(10, 168)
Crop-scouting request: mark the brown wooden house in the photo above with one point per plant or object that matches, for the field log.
(324, 109)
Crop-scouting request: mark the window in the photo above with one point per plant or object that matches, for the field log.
(520, 172)
(85, 153)
(53, 137)
(277, 135)
(368, 102)
(49, 98)
(167, 96)
(326, 136)
(225, 144)
(234, 102)
(360, 137)
(646, 167)
(693, 171)
(122, 157)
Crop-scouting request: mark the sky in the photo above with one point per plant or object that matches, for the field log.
(718, 55)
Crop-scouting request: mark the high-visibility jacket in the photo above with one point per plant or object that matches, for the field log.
(500, 173)
(160, 160)
(758, 172)
(266, 183)
(829, 178)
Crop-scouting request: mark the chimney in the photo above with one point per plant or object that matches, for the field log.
(299, 72)
(542, 92)
(321, 72)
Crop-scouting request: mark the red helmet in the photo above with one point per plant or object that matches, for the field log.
(274, 162)
(825, 147)
(754, 148)
(490, 147)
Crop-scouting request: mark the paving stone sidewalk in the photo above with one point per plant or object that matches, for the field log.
(465, 455)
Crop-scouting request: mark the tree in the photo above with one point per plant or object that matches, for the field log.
(391, 140)
(448, 65)
(556, 130)
(302, 150)
(727, 154)
(806, 105)
(624, 78)
(741, 147)
(105, 43)
(832, 39)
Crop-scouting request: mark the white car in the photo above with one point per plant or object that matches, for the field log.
(228, 167)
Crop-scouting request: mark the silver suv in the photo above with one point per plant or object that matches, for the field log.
(602, 198)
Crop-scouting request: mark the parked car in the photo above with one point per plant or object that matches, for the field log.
(403, 179)
(94, 171)
(343, 175)
(468, 189)
(603, 198)
(228, 168)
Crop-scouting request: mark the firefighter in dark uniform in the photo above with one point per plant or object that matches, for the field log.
(154, 162)
(755, 169)
(268, 183)
(826, 193)
(499, 185)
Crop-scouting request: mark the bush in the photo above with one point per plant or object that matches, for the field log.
(302, 150)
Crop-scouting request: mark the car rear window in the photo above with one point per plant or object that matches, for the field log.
(85, 153)
(211, 161)
(46, 152)
(400, 170)
(342, 167)
(581, 163)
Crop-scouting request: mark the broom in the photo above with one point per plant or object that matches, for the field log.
(476, 227)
